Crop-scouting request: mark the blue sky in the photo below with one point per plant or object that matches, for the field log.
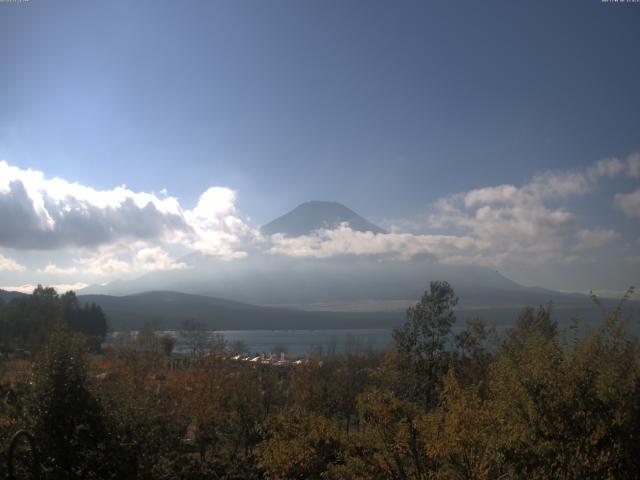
(387, 107)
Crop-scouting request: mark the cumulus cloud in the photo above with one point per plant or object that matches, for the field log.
(40, 213)
(593, 239)
(54, 269)
(512, 223)
(218, 229)
(9, 265)
(629, 203)
(119, 231)
(529, 224)
(53, 214)
(118, 260)
(151, 259)
(609, 167)
(345, 241)
(59, 287)
(613, 167)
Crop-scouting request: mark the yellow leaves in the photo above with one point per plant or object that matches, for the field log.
(301, 445)
(462, 433)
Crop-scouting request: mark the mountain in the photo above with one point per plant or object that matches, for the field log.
(345, 283)
(314, 215)
(169, 309)
(8, 296)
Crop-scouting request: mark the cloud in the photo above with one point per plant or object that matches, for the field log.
(152, 259)
(121, 232)
(218, 229)
(633, 165)
(53, 269)
(593, 239)
(9, 265)
(344, 241)
(610, 167)
(37, 213)
(556, 184)
(529, 224)
(115, 262)
(60, 287)
(104, 265)
(629, 203)
(513, 224)
(613, 167)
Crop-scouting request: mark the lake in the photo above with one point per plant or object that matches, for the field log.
(298, 343)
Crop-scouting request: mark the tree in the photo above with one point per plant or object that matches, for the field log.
(167, 342)
(88, 319)
(195, 335)
(147, 340)
(300, 445)
(421, 342)
(68, 421)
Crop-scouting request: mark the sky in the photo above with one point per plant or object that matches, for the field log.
(496, 133)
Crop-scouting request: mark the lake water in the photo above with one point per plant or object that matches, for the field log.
(300, 343)
(297, 343)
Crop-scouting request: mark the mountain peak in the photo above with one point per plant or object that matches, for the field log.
(314, 215)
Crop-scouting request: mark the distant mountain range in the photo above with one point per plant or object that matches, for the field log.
(316, 285)
(169, 309)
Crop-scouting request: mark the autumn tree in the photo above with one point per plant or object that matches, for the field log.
(67, 420)
(421, 341)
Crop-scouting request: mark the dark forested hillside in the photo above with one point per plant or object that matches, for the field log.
(169, 309)
(26, 321)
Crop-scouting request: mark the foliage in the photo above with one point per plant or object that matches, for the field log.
(67, 420)
(27, 322)
(534, 402)
(422, 340)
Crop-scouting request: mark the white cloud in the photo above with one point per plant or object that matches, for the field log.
(344, 241)
(218, 229)
(609, 167)
(151, 259)
(593, 239)
(40, 213)
(613, 167)
(629, 203)
(122, 232)
(53, 214)
(9, 265)
(60, 287)
(104, 265)
(557, 185)
(121, 260)
(54, 269)
(490, 226)
(513, 224)
(528, 224)
(633, 165)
